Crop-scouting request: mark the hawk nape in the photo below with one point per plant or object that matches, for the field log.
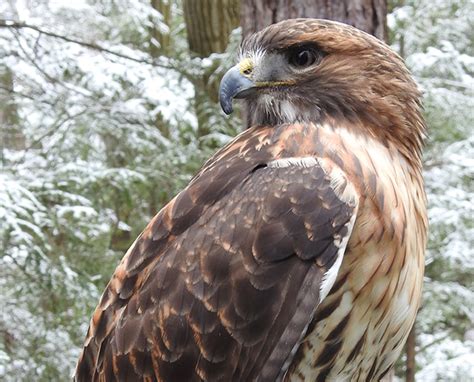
(296, 253)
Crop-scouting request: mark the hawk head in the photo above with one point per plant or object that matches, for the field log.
(307, 70)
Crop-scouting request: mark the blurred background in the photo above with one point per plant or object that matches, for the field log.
(108, 107)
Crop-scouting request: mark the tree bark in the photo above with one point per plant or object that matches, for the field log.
(410, 351)
(367, 15)
(209, 23)
(11, 135)
(160, 41)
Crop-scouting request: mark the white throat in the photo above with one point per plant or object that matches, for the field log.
(269, 109)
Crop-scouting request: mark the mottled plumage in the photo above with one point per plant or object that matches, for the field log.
(296, 252)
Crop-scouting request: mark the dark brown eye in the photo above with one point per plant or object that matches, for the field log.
(302, 57)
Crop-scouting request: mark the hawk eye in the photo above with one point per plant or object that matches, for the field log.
(302, 57)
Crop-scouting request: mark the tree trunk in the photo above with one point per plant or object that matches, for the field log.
(11, 136)
(161, 44)
(209, 23)
(160, 40)
(367, 15)
(410, 351)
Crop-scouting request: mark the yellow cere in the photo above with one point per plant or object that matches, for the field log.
(245, 65)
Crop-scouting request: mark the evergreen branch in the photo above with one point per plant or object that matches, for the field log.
(12, 24)
(436, 341)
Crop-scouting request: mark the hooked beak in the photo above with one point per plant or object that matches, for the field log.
(234, 84)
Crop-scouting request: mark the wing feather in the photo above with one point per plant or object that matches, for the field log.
(224, 282)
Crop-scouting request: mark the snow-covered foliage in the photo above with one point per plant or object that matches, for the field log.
(435, 38)
(99, 127)
(97, 131)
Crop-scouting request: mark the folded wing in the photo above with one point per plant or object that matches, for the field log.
(224, 282)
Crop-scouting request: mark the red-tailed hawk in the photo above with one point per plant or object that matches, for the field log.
(296, 253)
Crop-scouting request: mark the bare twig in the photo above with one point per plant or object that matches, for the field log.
(13, 24)
(434, 342)
(33, 96)
(46, 75)
(56, 126)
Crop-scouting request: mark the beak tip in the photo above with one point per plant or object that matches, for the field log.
(226, 106)
(228, 111)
